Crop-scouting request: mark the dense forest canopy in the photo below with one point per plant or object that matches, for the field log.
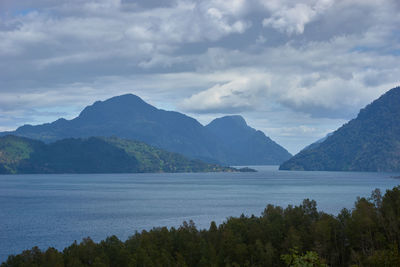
(367, 235)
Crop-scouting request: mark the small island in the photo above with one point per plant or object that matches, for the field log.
(246, 169)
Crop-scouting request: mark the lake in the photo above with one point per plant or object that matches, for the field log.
(55, 210)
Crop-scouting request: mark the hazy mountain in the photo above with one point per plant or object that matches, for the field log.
(370, 142)
(92, 155)
(129, 117)
(246, 145)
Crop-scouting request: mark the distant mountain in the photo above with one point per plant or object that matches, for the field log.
(370, 142)
(92, 155)
(317, 143)
(246, 145)
(129, 117)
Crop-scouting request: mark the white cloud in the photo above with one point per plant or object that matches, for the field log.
(292, 16)
(237, 95)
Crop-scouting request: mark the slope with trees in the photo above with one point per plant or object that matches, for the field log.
(370, 142)
(92, 155)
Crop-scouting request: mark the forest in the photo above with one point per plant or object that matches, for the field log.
(20, 155)
(366, 235)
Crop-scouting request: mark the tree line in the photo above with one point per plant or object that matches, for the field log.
(367, 235)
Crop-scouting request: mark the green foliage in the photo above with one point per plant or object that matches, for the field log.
(92, 155)
(309, 259)
(14, 150)
(295, 236)
(371, 142)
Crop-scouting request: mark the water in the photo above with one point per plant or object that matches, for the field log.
(55, 210)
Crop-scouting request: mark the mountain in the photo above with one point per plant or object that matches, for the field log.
(246, 145)
(317, 143)
(92, 155)
(129, 117)
(370, 142)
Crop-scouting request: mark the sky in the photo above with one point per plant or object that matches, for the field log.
(296, 70)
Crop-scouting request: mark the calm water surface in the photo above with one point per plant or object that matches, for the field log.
(55, 210)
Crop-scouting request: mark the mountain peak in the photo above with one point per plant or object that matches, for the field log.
(389, 102)
(246, 145)
(122, 105)
(232, 120)
(126, 98)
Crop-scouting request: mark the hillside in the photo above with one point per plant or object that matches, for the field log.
(129, 117)
(19, 155)
(370, 142)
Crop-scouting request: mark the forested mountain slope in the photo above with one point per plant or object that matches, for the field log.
(20, 155)
(370, 142)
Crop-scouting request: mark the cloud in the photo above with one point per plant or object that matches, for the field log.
(291, 17)
(329, 97)
(108, 21)
(236, 95)
(323, 79)
(283, 64)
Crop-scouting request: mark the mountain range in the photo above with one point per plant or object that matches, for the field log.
(228, 140)
(370, 142)
(20, 155)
